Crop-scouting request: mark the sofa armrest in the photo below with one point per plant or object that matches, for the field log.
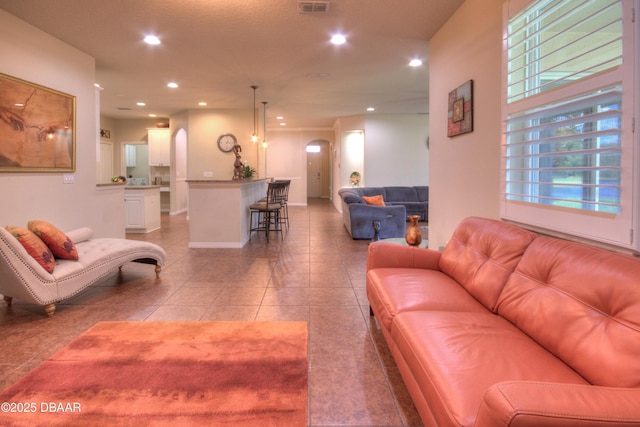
(544, 404)
(393, 220)
(389, 255)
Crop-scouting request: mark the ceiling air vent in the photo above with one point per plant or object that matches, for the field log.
(313, 6)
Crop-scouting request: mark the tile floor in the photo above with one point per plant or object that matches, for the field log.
(315, 274)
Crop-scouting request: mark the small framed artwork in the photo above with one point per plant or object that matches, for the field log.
(37, 128)
(460, 117)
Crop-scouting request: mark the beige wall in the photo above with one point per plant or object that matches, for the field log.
(205, 126)
(287, 158)
(464, 171)
(32, 55)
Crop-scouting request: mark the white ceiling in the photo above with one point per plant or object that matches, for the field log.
(216, 49)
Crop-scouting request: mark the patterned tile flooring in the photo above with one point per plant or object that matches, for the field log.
(314, 273)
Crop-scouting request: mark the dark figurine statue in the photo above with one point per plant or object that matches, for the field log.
(238, 173)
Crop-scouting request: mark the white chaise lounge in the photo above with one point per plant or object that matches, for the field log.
(23, 278)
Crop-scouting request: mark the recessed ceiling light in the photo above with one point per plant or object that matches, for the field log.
(153, 115)
(151, 39)
(279, 117)
(371, 109)
(415, 63)
(202, 104)
(140, 104)
(338, 39)
(283, 124)
(19, 104)
(172, 85)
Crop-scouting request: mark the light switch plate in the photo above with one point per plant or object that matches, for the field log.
(208, 174)
(68, 178)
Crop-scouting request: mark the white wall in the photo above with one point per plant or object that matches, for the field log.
(396, 151)
(34, 56)
(464, 171)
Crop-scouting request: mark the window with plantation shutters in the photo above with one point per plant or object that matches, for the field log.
(568, 105)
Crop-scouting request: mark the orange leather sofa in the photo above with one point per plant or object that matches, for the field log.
(509, 328)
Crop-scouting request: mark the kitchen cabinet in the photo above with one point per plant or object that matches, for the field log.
(130, 154)
(159, 147)
(142, 208)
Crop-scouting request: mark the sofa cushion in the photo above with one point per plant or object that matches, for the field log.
(34, 246)
(411, 206)
(371, 191)
(374, 200)
(422, 191)
(481, 255)
(582, 304)
(58, 242)
(456, 357)
(401, 194)
(394, 290)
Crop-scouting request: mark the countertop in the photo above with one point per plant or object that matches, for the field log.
(226, 181)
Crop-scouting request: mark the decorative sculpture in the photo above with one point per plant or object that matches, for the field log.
(376, 230)
(238, 171)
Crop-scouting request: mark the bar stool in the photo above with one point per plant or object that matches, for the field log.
(268, 210)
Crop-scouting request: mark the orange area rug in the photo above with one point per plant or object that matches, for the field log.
(169, 374)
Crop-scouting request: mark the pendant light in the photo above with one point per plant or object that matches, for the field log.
(254, 137)
(265, 144)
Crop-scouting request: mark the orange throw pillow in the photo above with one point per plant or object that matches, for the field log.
(59, 243)
(374, 200)
(34, 246)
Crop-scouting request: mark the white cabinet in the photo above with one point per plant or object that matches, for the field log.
(142, 209)
(159, 147)
(130, 154)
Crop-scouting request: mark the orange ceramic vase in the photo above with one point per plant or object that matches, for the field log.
(414, 234)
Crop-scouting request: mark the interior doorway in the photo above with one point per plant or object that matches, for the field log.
(318, 169)
(180, 190)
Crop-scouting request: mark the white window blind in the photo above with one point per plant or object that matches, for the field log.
(567, 114)
(554, 42)
(568, 153)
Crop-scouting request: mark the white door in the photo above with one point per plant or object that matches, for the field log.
(314, 174)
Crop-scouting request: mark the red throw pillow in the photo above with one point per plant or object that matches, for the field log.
(34, 246)
(374, 200)
(59, 243)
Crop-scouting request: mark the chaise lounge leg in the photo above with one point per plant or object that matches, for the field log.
(158, 268)
(371, 312)
(8, 300)
(50, 309)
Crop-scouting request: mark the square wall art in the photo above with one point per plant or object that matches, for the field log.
(460, 117)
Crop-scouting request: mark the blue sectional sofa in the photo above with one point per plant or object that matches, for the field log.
(400, 202)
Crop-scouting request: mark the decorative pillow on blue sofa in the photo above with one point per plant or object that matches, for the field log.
(374, 200)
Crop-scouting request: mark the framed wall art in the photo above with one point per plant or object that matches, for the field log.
(37, 128)
(460, 117)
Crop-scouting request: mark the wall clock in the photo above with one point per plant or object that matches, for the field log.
(226, 142)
